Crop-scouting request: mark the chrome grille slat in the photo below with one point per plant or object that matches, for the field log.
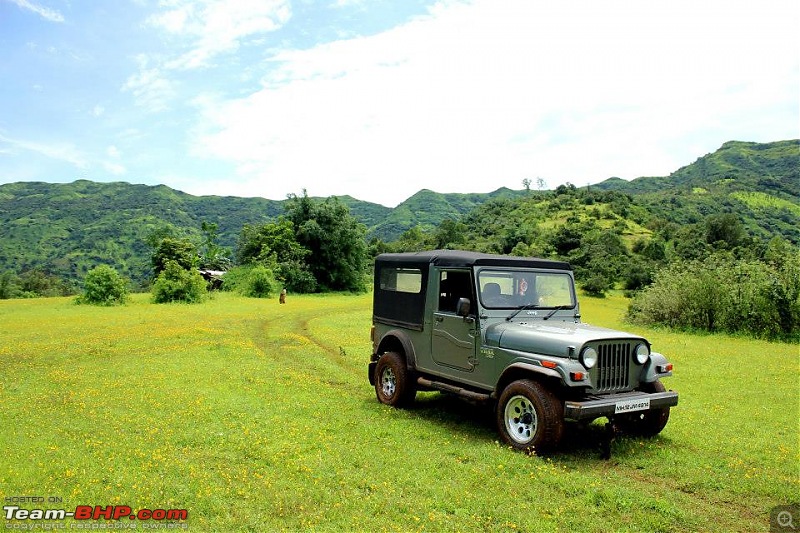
(613, 366)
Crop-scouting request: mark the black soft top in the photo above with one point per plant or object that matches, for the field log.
(407, 309)
(468, 259)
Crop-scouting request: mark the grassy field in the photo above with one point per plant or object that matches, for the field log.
(256, 416)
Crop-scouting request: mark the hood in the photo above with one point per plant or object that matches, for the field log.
(549, 338)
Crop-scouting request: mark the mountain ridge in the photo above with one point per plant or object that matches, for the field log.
(68, 228)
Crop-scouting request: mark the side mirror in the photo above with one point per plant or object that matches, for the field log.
(462, 307)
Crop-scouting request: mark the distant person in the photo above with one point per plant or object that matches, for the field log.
(282, 298)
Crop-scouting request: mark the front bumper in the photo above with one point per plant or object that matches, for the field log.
(607, 405)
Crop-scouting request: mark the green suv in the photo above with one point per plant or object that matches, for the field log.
(507, 330)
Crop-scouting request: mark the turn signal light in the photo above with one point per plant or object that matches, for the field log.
(549, 364)
(663, 369)
(577, 376)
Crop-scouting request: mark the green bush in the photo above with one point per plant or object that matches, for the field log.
(104, 286)
(297, 278)
(597, 286)
(721, 293)
(255, 281)
(261, 282)
(176, 284)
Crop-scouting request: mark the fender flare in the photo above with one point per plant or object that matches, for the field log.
(384, 345)
(510, 372)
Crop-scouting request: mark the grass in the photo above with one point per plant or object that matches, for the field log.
(258, 416)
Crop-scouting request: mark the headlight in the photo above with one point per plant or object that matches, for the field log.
(642, 352)
(589, 357)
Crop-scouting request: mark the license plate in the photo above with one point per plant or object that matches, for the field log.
(629, 406)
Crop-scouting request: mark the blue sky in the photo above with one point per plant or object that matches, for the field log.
(378, 99)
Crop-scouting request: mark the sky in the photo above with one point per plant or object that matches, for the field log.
(378, 99)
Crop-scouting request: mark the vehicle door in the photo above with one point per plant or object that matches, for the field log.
(453, 342)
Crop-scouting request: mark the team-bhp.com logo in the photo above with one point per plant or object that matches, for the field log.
(96, 512)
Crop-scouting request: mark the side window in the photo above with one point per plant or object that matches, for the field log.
(453, 285)
(401, 280)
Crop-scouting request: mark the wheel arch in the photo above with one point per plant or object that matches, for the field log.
(517, 371)
(396, 340)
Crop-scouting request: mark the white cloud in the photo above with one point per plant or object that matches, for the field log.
(217, 26)
(54, 150)
(46, 13)
(151, 89)
(114, 168)
(479, 95)
(113, 151)
(98, 110)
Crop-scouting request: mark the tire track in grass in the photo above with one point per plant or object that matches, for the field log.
(278, 335)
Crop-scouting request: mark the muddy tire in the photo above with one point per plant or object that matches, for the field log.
(393, 383)
(647, 423)
(530, 418)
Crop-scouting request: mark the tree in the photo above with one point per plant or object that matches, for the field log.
(334, 238)
(180, 251)
(212, 255)
(414, 239)
(270, 243)
(104, 286)
(724, 231)
(177, 284)
(35, 283)
(9, 285)
(450, 234)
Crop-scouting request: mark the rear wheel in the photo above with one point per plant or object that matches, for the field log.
(393, 384)
(647, 423)
(530, 417)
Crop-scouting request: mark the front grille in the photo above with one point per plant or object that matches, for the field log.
(613, 366)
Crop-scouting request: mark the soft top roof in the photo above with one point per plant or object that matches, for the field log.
(468, 259)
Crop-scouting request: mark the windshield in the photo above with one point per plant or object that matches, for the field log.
(514, 289)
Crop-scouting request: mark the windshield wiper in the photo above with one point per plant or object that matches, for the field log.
(556, 309)
(521, 309)
(535, 306)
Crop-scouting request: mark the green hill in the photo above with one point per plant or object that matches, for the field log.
(427, 209)
(67, 229)
(759, 182)
(772, 167)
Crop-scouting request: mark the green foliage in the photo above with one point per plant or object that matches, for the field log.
(269, 244)
(427, 209)
(597, 285)
(68, 228)
(262, 282)
(64, 230)
(412, 240)
(450, 234)
(180, 251)
(9, 286)
(176, 284)
(104, 286)
(297, 277)
(212, 255)
(724, 231)
(721, 293)
(255, 281)
(335, 239)
(36, 283)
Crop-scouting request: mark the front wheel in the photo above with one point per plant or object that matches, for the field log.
(530, 417)
(647, 423)
(393, 384)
